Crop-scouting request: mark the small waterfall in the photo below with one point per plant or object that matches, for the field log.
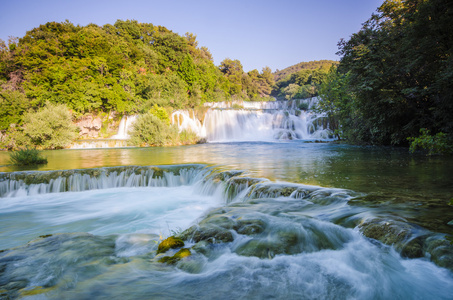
(123, 128)
(257, 121)
(32, 183)
(116, 141)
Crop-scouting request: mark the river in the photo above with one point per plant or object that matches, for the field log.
(284, 219)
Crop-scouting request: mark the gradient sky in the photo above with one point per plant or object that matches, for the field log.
(262, 33)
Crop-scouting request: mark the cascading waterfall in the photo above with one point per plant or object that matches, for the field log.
(256, 121)
(238, 121)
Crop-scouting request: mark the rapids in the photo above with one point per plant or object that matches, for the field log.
(93, 234)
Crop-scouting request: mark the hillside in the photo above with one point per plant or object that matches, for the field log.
(301, 80)
(311, 65)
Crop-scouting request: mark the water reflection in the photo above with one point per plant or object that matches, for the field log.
(363, 169)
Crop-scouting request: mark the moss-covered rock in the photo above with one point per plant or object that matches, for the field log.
(171, 260)
(249, 227)
(441, 251)
(224, 175)
(207, 232)
(170, 243)
(413, 248)
(386, 231)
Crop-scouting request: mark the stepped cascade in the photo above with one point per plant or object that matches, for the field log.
(257, 121)
(238, 121)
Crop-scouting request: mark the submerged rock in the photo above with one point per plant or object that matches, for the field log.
(411, 241)
(184, 252)
(207, 232)
(50, 260)
(249, 227)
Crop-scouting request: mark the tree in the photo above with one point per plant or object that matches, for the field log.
(400, 66)
(337, 101)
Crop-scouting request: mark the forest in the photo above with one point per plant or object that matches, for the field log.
(128, 68)
(301, 80)
(394, 83)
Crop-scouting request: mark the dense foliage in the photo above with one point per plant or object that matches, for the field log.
(127, 67)
(399, 73)
(301, 80)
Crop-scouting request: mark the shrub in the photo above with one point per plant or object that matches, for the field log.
(188, 137)
(433, 144)
(26, 157)
(49, 128)
(152, 131)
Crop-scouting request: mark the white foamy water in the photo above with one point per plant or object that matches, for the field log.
(281, 247)
(257, 121)
(108, 211)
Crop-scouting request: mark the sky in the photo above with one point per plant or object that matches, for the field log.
(276, 34)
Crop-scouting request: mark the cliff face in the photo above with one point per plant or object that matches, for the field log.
(89, 126)
(97, 126)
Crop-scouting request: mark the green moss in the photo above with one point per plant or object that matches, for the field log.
(171, 260)
(169, 243)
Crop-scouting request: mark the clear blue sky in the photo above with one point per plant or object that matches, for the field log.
(262, 33)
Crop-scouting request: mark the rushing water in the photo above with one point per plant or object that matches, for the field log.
(273, 216)
(272, 239)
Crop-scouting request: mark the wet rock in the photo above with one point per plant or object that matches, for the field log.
(207, 232)
(414, 248)
(259, 248)
(171, 260)
(249, 227)
(271, 191)
(386, 231)
(218, 220)
(169, 243)
(239, 184)
(441, 251)
(224, 175)
(202, 247)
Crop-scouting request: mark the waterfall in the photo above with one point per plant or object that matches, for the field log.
(123, 128)
(238, 121)
(257, 121)
(117, 140)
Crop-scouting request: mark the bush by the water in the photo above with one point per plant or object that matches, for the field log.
(433, 144)
(50, 127)
(151, 131)
(26, 157)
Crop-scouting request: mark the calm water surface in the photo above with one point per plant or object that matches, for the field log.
(363, 169)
